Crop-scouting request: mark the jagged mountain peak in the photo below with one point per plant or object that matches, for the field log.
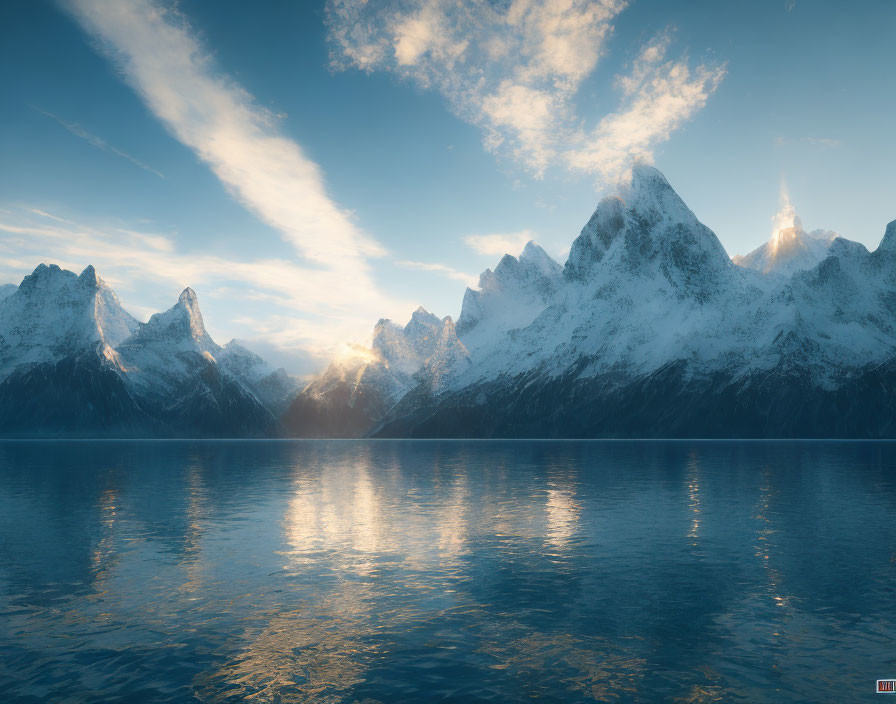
(790, 249)
(646, 187)
(532, 263)
(511, 295)
(55, 314)
(888, 243)
(89, 277)
(181, 324)
(535, 254)
(188, 297)
(646, 230)
(46, 276)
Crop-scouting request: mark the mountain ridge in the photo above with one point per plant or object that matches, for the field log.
(649, 329)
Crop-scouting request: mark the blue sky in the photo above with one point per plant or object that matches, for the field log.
(310, 167)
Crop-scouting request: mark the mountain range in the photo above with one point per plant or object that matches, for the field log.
(650, 329)
(74, 363)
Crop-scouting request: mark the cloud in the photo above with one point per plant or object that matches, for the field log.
(659, 96)
(158, 55)
(443, 269)
(44, 214)
(97, 142)
(514, 70)
(500, 244)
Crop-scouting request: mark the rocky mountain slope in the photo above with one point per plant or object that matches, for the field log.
(355, 392)
(73, 362)
(648, 330)
(790, 249)
(652, 331)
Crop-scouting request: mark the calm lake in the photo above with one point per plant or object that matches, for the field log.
(385, 572)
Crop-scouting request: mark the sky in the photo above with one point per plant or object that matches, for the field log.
(310, 167)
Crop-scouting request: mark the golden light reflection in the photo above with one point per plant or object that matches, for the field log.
(693, 479)
(763, 543)
(299, 655)
(105, 548)
(197, 508)
(563, 516)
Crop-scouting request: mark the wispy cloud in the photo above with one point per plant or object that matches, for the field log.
(514, 70)
(659, 95)
(97, 142)
(499, 244)
(158, 54)
(44, 214)
(298, 308)
(442, 269)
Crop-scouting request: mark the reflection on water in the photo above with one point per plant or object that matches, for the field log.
(445, 571)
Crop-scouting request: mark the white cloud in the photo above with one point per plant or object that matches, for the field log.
(177, 79)
(442, 269)
(44, 214)
(659, 96)
(499, 244)
(514, 69)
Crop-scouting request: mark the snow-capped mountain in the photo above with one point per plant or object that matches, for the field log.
(273, 387)
(649, 329)
(74, 362)
(355, 392)
(653, 331)
(56, 312)
(789, 250)
(509, 297)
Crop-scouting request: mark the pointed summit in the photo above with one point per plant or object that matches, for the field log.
(46, 278)
(790, 248)
(648, 230)
(56, 314)
(511, 295)
(88, 277)
(888, 243)
(180, 325)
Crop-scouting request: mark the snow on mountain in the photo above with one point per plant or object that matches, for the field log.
(648, 330)
(73, 362)
(170, 347)
(651, 308)
(509, 297)
(645, 282)
(647, 230)
(273, 387)
(790, 249)
(404, 349)
(354, 392)
(55, 313)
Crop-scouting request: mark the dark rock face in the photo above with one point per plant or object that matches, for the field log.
(344, 410)
(667, 404)
(78, 396)
(83, 396)
(213, 405)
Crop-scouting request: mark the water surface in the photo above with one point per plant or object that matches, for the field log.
(387, 572)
